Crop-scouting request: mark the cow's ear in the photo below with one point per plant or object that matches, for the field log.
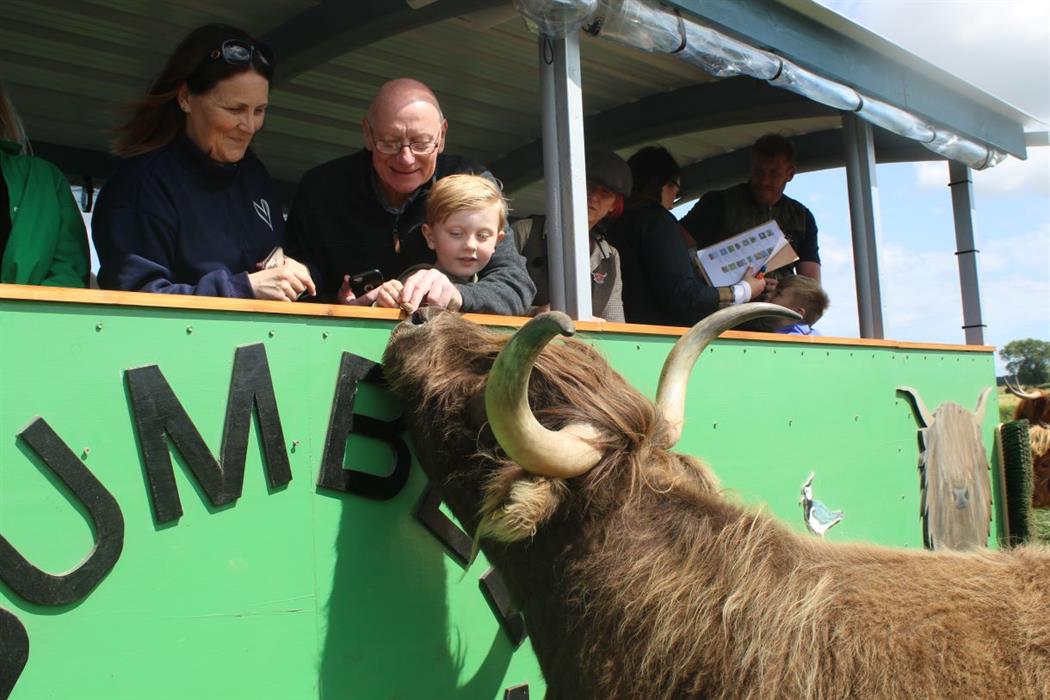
(515, 509)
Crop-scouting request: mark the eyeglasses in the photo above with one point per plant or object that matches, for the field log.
(418, 148)
(392, 148)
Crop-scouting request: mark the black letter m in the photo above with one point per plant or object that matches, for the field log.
(158, 412)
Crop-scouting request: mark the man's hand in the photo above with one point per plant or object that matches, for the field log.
(771, 288)
(286, 282)
(345, 295)
(432, 287)
(757, 284)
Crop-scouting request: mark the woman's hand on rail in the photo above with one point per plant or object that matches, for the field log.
(288, 282)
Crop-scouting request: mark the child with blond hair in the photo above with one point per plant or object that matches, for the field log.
(804, 296)
(465, 218)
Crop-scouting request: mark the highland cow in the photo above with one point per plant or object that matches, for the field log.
(1034, 407)
(639, 578)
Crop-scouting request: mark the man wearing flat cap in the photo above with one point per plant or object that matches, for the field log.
(608, 184)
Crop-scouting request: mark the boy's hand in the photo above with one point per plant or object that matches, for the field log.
(432, 287)
(388, 294)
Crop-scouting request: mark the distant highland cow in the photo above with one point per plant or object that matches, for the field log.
(640, 579)
(1035, 408)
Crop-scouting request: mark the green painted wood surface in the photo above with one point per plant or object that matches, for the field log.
(301, 592)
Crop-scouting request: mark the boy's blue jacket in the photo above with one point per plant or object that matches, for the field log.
(175, 221)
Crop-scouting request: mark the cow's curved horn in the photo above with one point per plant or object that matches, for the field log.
(670, 395)
(1016, 391)
(564, 453)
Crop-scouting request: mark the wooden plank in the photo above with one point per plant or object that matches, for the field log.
(176, 301)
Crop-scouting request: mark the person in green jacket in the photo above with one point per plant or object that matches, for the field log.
(42, 235)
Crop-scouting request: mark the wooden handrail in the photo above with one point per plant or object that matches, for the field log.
(19, 292)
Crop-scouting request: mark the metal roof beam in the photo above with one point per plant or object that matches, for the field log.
(917, 88)
(336, 27)
(691, 109)
(816, 151)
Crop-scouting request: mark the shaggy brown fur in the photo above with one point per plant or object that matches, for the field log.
(640, 579)
(1040, 438)
(1037, 412)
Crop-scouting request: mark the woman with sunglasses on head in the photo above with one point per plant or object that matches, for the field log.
(190, 209)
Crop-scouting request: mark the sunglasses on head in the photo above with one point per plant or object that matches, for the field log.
(239, 53)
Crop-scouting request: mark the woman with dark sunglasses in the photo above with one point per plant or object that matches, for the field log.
(190, 209)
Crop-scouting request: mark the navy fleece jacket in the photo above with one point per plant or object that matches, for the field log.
(175, 221)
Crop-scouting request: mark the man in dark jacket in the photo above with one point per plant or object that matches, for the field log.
(364, 211)
(723, 213)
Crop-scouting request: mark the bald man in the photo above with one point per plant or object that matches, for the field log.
(364, 211)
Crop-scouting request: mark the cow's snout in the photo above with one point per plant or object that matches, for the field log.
(423, 315)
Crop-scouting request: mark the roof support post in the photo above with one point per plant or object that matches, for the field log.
(568, 248)
(960, 182)
(859, 147)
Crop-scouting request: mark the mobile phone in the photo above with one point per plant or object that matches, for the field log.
(274, 259)
(364, 282)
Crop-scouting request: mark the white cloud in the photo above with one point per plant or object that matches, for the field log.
(1014, 176)
(836, 268)
(921, 299)
(998, 46)
(920, 294)
(1025, 255)
(931, 174)
(1010, 178)
(1001, 47)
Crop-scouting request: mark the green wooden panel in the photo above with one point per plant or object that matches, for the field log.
(301, 592)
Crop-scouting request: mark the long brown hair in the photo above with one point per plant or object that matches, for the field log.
(156, 118)
(651, 168)
(11, 128)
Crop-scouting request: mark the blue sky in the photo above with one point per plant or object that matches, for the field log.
(920, 279)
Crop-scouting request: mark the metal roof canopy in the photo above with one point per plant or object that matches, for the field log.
(827, 43)
(858, 149)
(71, 64)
